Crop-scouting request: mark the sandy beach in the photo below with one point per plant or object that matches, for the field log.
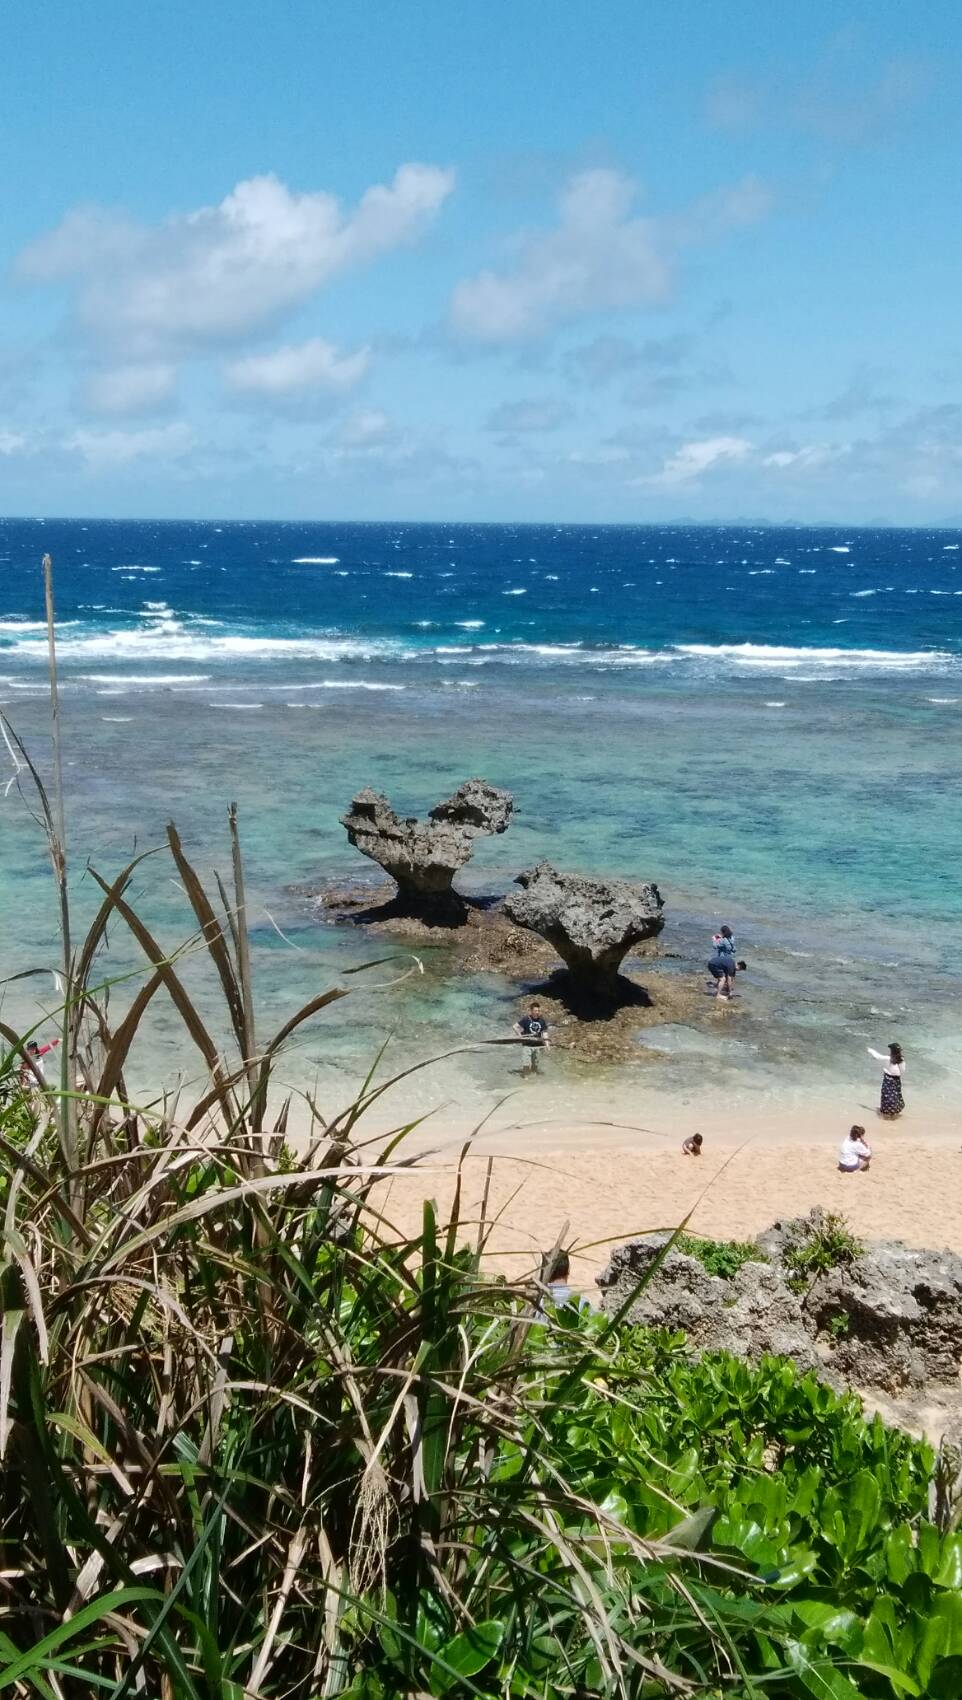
(607, 1190)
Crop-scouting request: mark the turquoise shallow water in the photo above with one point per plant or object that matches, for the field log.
(783, 755)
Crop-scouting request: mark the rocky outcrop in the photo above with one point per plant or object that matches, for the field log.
(889, 1318)
(750, 1314)
(422, 857)
(592, 924)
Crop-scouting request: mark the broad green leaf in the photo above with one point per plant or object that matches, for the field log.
(468, 1653)
(941, 1634)
(818, 1677)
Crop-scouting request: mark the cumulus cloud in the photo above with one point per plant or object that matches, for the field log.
(524, 416)
(11, 442)
(692, 460)
(131, 389)
(298, 369)
(106, 449)
(600, 256)
(223, 272)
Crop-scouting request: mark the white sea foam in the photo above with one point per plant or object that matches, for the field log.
(315, 560)
(132, 567)
(514, 593)
(235, 705)
(145, 678)
(942, 700)
(398, 575)
(778, 655)
(117, 719)
(949, 546)
(167, 640)
(357, 685)
(775, 705)
(470, 625)
(839, 549)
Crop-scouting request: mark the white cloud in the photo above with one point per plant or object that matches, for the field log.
(694, 459)
(131, 389)
(601, 256)
(11, 442)
(808, 456)
(299, 368)
(222, 272)
(367, 429)
(106, 449)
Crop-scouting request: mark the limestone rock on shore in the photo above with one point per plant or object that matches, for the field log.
(887, 1318)
(751, 1313)
(422, 857)
(592, 924)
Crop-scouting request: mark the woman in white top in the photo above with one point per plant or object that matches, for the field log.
(892, 1103)
(855, 1152)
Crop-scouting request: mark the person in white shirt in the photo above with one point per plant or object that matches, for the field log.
(892, 1102)
(855, 1152)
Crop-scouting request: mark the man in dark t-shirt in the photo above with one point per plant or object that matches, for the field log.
(532, 1029)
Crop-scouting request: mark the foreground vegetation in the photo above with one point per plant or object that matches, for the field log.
(258, 1443)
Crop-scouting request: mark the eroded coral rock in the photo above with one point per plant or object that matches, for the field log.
(423, 856)
(592, 924)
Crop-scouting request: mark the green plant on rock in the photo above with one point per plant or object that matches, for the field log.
(720, 1257)
(827, 1243)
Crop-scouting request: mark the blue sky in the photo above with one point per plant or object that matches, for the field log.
(519, 260)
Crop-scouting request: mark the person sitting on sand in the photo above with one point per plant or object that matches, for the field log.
(892, 1102)
(532, 1030)
(691, 1147)
(855, 1152)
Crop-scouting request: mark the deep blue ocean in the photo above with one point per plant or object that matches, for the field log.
(766, 721)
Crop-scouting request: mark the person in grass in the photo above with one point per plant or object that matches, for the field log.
(554, 1280)
(36, 1053)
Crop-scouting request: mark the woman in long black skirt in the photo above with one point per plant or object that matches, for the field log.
(892, 1102)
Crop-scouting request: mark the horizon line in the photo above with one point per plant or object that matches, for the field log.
(568, 525)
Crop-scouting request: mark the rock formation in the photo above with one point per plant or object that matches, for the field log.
(422, 857)
(890, 1319)
(592, 924)
(752, 1313)
(894, 1315)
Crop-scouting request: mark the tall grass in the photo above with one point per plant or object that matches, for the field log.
(254, 1439)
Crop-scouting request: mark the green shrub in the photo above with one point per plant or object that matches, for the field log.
(720, 1257)
(828, 1243)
